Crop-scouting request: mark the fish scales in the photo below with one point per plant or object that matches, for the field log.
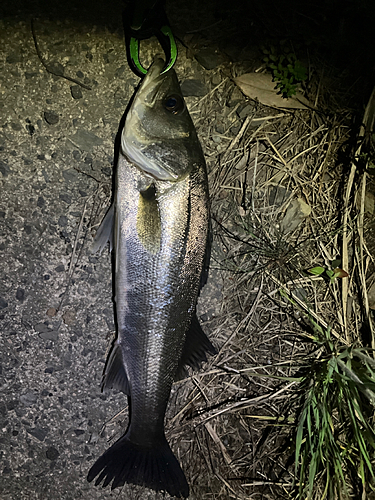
(160, 220)
(156, 297)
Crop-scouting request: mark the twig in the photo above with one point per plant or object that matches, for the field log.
(48, 67)
(118, 414)
(218, 441)
(345, 260)
(254, 177)
(71, 266)
(209, 94)
(246, 402)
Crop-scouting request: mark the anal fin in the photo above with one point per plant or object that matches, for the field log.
(114, 376)
(195, 350)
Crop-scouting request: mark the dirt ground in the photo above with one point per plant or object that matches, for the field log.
(56, 160)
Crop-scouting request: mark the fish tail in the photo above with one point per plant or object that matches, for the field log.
(155, 467)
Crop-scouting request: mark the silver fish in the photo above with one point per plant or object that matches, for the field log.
(159, 225)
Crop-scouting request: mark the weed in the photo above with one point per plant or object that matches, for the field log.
(286, 70)
(329, 274)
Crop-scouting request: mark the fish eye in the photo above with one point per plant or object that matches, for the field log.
(174, 104)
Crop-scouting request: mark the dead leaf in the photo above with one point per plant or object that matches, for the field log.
(340, 273)
(259, 86)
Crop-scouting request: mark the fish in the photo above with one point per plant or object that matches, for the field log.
(159, 229)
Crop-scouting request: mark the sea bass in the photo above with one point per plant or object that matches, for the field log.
(159, 226)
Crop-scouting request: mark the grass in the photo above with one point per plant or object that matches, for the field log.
(333, 398)
(334, 433)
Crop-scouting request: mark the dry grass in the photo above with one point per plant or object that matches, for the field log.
(236, 427)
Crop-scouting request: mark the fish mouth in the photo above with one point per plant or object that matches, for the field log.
(152, 81)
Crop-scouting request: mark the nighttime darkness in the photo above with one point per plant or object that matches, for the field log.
(187, 250)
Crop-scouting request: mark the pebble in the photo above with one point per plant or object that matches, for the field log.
(120, 71)
(20, 294)
(3, 409)
(85, 140)
(49, 335)
(235, 97)
(3, 303)
(216, 79)
(29, 398)
(295, 214)
(4, 168)
(65, 197)
(76, 92)
(209, 58)
(52, 453)
(51, 118)
(70, 175)
(245, 111)
(38, 432)
(30, 74)
(69, 317)
(13, 58)
(63, 221)
(56, 68)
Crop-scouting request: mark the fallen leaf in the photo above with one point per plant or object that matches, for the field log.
(259, 86)
(340, 273)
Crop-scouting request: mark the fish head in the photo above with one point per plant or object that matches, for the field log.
(159, 136)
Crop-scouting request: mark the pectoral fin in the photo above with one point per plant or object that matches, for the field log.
(148, 220)
(104, 232)
(197, 345)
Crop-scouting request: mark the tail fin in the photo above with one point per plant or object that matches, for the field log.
(154, 467)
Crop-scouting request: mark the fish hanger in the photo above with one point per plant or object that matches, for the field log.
(144, 19)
